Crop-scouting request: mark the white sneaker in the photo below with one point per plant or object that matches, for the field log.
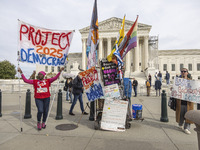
(187, 131)
(180, 127)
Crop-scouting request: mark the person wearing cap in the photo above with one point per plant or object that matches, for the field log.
(41, 94)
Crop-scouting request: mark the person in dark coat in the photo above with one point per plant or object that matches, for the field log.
(135, 84)
(167, 77)
(158, 85)
(77, 86)
(68, 85)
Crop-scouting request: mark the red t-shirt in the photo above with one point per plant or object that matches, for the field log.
(41, 88)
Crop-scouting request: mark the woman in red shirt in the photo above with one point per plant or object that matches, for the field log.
(41, 94)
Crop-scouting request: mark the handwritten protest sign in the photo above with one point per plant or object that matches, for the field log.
(114, 115)
(111, 91)
(188, 90)
(91, 83)
(109, 72)
(43, 46)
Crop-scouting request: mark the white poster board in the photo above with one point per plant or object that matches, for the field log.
(188, 90)
(111, 91)
(114, 114)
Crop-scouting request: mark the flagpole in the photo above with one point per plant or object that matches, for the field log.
(54, 95)
(20, 104)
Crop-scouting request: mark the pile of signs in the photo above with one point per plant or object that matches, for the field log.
(103, 84)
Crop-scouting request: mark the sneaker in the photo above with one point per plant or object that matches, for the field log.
(43, 125)
(39, 126)
(180, 127)
(187, 131)
(72, 114)
(85, 113)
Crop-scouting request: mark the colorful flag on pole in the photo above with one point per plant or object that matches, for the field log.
(93, 40)
(129, 41)
(118, 40)
(43, 46)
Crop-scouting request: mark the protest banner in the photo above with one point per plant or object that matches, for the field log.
(111, 91)
(114, 114)
(91, 84)
(188, 90)
(109, 72)
(43, 46)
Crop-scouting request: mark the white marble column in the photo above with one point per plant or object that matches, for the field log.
(146, 52)
(84, 54)
(109, 47)
(128, 62)
(137, 56)
(100, 48)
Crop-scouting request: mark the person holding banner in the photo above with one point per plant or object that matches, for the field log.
(182, 107)
(41, 94)
(77, 86)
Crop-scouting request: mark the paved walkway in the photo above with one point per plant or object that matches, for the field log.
(150, 134)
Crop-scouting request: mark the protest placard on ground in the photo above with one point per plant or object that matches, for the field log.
(188, 90)
(91, 83)
(114, 114)
(43, 46)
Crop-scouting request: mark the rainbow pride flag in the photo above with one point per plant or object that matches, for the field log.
(130, 40)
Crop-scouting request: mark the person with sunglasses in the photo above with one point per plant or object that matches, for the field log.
(182, 107)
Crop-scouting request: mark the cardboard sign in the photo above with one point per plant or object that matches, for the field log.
(43, 46)
(188, 90)
(114, 114)
(111, 91)
(91, 83)
(109, 72)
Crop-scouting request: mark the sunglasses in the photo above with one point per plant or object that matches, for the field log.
(183, 71)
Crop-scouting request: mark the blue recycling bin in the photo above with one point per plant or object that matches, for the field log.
(137, 111)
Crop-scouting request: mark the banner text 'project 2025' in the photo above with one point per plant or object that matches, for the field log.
(43, 46)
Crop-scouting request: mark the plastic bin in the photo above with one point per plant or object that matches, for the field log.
(137, 111)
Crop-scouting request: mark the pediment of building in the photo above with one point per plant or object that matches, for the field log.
(114, 24)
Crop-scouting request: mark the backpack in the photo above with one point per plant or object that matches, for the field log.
(147, 84)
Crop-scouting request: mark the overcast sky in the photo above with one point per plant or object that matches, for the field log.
(177, 22)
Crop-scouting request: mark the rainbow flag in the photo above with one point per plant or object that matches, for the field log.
(129, 41)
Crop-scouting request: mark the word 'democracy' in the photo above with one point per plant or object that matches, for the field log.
(43, 46)
(95, 92)
(188, 90)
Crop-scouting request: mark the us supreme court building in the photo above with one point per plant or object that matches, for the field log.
(141, 61)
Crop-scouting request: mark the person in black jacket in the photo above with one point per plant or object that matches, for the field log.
(157, 86)
(77, 86)
(68, 85)
(135, 84)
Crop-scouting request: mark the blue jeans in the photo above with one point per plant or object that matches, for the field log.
(135, 90)
(77, 96)
(43, 108)
(69, 94)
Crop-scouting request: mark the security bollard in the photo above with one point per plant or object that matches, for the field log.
(0, 103)
(28, 105)
(91, 117)
(59, 106)
(164, 116)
